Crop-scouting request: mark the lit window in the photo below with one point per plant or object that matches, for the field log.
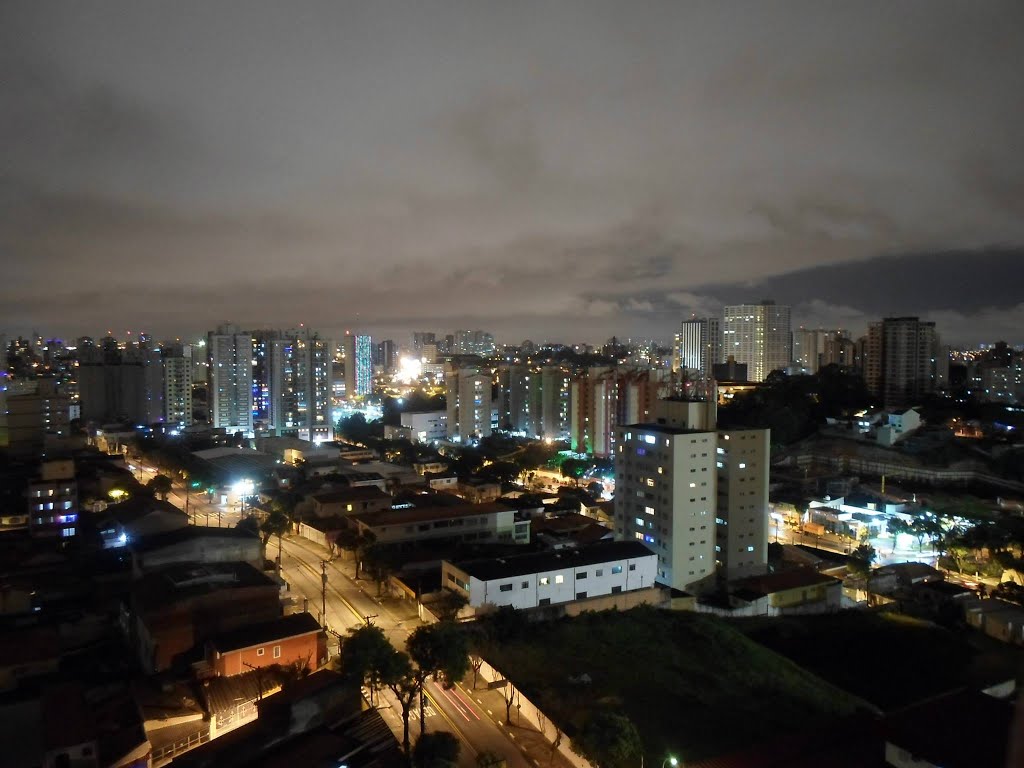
(750, 549)
(649, 510)
(616, 569)
(545, 581)
(650, 439)
(743, 466)
(640, 522)
(661, 470)
(559, 579)
(277, 651)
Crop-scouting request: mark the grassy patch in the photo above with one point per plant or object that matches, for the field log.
(686, 680)
(887, 659)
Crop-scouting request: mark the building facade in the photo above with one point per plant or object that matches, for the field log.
(901, 360)
(358, 365)
(300, 386)
(469, 404)
(758, 335)
(231, 379)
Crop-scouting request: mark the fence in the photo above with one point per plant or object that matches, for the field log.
(534, 716)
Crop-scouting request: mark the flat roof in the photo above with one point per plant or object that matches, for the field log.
(665, 429)
(781, 581)
(421, 514)
(181, 581)
(187, 533)
(491, 569)
(356, 493)
(265, 632)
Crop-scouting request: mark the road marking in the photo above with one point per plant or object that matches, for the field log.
(489, 712)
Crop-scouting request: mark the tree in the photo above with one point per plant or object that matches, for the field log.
(380, 562)
(447, 607)
(610, 740)
(441, 652)
(351, 540)
(366, 656)
(401, 678)
(436, 750)
(488, 759)
(160, 485)
(503, 472)
(574, 469)
(897, 526)
(276, 524)
(862, 558)
(250, 524)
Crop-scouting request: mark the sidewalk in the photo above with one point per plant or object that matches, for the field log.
(530, 741)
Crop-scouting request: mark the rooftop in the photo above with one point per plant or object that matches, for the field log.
(182, 581)
(423, 514)
(771, 583)
(188, 533)
(490, 569)
(665, 429)
(265, 632)
(362, 493)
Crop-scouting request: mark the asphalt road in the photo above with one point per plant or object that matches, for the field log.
(349, 604)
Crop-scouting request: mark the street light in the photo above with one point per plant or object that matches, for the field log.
(671, 761)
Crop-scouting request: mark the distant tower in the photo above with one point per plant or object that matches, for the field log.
(230, 354)
(758, 335)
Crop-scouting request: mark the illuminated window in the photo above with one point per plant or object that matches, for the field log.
(650, 439)
(559, 579)
(616, 569)
(545, 581)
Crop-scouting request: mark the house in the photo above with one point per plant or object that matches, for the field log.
(571, 530)
(898, 425)
(323, 530)
(998, 619)
(607, 569)
(965, 729)
(296, 639)
(343, 501)
(135, 518)
(478, 491)
(887, 579)
(491, 522)
(196, 544)
(176, 609)
(796, 591)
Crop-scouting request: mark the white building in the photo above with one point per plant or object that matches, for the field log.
(758, 335)
(551, 578)
(695, 495)
(469, 403)
(467, 522)
(230, 377)
(178, 386)
(426, 426)
(698, 346)
(300, 385)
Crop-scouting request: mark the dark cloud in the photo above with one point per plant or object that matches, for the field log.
(558, 171)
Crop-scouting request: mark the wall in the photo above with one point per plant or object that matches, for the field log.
(304, 648)
(533, 715)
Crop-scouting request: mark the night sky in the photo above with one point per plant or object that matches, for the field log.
(553, 171)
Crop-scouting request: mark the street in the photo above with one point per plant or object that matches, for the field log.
(475, 717)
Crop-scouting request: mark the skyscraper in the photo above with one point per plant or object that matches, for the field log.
(300, 385)
(698, 346)
(178, 384)
(696, 495)
(230, 353)
(468, 394)
(358, 365)
(900, 365)
(758, 335)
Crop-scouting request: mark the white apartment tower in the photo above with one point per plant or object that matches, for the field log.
(758, 335)
(178, 385)
(698, 346)
(696, 495)
(469, 403)
(230, 377)
(300, 385)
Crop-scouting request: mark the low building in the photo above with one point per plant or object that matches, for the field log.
(1001, 620)
(343, 501)
(426, 426)
(136, 518)
(175, 610)
(797, 591)
(478, 491)
(297, 639)
(491, 522)
(323, 530)
(196, 544)
(536, 580)
(53, 501)
(430, 466)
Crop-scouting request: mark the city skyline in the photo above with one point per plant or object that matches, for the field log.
(392, 168)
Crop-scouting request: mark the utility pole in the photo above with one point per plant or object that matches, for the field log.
(323, 591)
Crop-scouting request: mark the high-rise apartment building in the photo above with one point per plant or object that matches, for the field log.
(358, 365)
(604, 397)
(901, 360)
(698, 347)
(300, 385)
(178, 384)
(386, 353)
(230, 379)
(758, 335)
(555, 392)
(469, 403)
(118, 384)
(31, 412)
(696, 495)
(473, 343)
